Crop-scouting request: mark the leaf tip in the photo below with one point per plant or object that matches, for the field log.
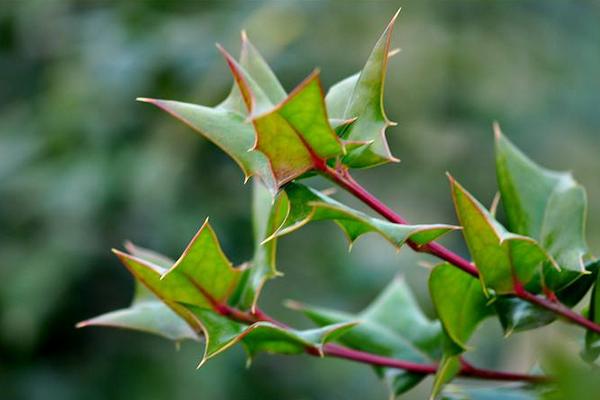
(393, 20)
(82, 324)
(497, 131)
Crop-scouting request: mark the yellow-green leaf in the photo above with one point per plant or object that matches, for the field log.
(502, 258)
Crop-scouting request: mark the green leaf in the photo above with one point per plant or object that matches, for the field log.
(448, 368)
(504, 392)
(361, 97)
(592, 340)
(517, 315)
(392, 326)
(266, 217)
(221, 333)
(546, 205)
(202, 276)
(461, 306)
(225, 125)
(146, 312)
(500, 256)
(307, 204)
(459, 302)
(295, 135)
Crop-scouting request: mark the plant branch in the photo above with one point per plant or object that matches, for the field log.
(337, 351)
(466, 370)
(342, 177)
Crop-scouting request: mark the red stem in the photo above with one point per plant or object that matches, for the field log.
(466, 370)
(337, 351)
(342, 177)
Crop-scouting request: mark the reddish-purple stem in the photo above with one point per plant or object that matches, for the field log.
(342, 177)
(337, 351)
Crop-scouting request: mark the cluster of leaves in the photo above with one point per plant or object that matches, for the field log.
(279, 138)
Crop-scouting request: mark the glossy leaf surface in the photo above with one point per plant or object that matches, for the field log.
(500, 256)
(361, 96)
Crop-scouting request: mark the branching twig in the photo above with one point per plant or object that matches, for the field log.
(342, 177)
(337, 351)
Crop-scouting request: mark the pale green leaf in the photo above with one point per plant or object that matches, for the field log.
(307, 204)
(225, 125)
(267, 215)
(221, 333)
(361, 96)
(546, 205)
(146, 312)
(393, 326)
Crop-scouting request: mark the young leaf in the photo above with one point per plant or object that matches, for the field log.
(307, 204)
(266, 217)
(295, 134)
(146, 312)
(459, 302)
(221, 333)
(546, 205)
(225, 125)
(361, 97)
(394, 326)
(202, 276)
(501, 257)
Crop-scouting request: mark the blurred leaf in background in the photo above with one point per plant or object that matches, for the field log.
(83, 167)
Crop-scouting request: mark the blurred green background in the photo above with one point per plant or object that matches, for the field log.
(83, 167)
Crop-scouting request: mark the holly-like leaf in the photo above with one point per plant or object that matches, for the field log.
(221, 333)
(361, 97)
(225, 125)
(202, 276)
(307, 204)
(459, 302)
(146, 312)
(546, 205)
(266, 217)
(501, 257)
(393, 326)
(295, 134)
